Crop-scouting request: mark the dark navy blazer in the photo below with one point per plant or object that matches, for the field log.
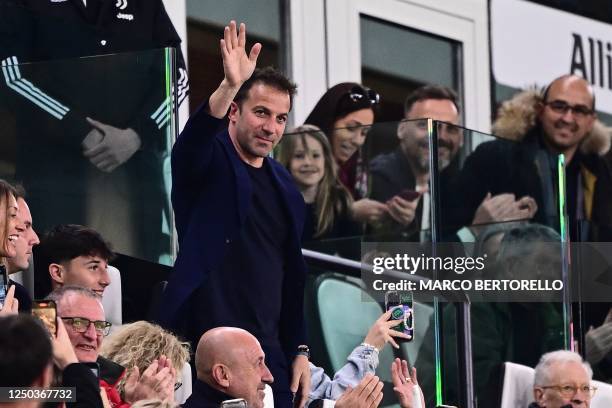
(211, 197)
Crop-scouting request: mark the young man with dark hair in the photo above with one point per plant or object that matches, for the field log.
(239, 219)
(72, 255)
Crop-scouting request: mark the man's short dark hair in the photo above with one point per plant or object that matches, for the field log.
(20, 191)
(431, 92)
(68, 241)
(268, 76)
(25, 350)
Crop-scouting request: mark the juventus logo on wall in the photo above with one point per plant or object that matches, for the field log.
(121, 4)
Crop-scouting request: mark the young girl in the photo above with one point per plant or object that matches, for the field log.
(307, 154)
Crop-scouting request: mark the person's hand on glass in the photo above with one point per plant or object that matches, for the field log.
(115, 148)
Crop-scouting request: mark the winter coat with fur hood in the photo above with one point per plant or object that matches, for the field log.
(518, 162)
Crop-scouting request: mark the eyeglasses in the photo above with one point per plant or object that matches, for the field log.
(568, 390)
(562, 107)
(81, 324)
(358, 93)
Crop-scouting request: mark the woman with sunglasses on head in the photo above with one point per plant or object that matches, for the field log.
(345, 113)
(307, 154)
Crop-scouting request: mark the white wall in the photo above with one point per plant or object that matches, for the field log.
(178, 14)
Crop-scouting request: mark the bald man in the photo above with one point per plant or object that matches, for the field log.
(230, 364)
(560, 120)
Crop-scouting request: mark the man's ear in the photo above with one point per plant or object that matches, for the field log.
(234, 110)
(402, 128)
(57, 273)
(539, 108)
(538, 395)
(221, 374)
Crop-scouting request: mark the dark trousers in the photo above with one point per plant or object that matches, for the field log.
(281, 371)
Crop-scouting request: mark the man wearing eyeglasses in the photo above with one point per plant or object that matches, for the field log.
(83, 315)
(560, 120)
(562, 380)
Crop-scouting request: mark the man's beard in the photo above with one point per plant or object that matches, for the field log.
(422, 163)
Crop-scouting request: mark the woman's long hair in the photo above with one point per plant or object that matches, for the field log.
(7, 192)
(332, 198)
(336, 103)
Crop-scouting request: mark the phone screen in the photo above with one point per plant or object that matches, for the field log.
(46, 311)
(401, 306)
(3, 285)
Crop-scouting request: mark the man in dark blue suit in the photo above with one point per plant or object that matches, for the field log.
(239, 219)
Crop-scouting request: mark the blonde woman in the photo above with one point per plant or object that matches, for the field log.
(308, 156)
(140, 343)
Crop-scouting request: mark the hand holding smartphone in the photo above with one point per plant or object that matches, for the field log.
(409, 195)
(46, 311)
(401, 306)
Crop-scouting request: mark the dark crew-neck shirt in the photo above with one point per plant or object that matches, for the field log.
(246, 291)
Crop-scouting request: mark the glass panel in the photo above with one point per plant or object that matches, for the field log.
(424, 59)
(518, 237)
(592, 307)
(89, 138)
(507, 198)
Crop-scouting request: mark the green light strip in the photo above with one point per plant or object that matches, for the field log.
(567, 329)
(437, 357)
(437, 348)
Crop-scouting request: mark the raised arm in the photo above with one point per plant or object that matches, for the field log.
(237, 68)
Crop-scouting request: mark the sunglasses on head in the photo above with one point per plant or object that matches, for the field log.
(358, 94)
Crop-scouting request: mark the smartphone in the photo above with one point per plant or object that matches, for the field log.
(3, 285)
(234, 403)
(46, 311)
(409, 195)
(401, 306)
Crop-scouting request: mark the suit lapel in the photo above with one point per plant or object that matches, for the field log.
(243, 181)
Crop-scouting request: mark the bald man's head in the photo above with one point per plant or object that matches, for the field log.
(567, 113)
(231, 360)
